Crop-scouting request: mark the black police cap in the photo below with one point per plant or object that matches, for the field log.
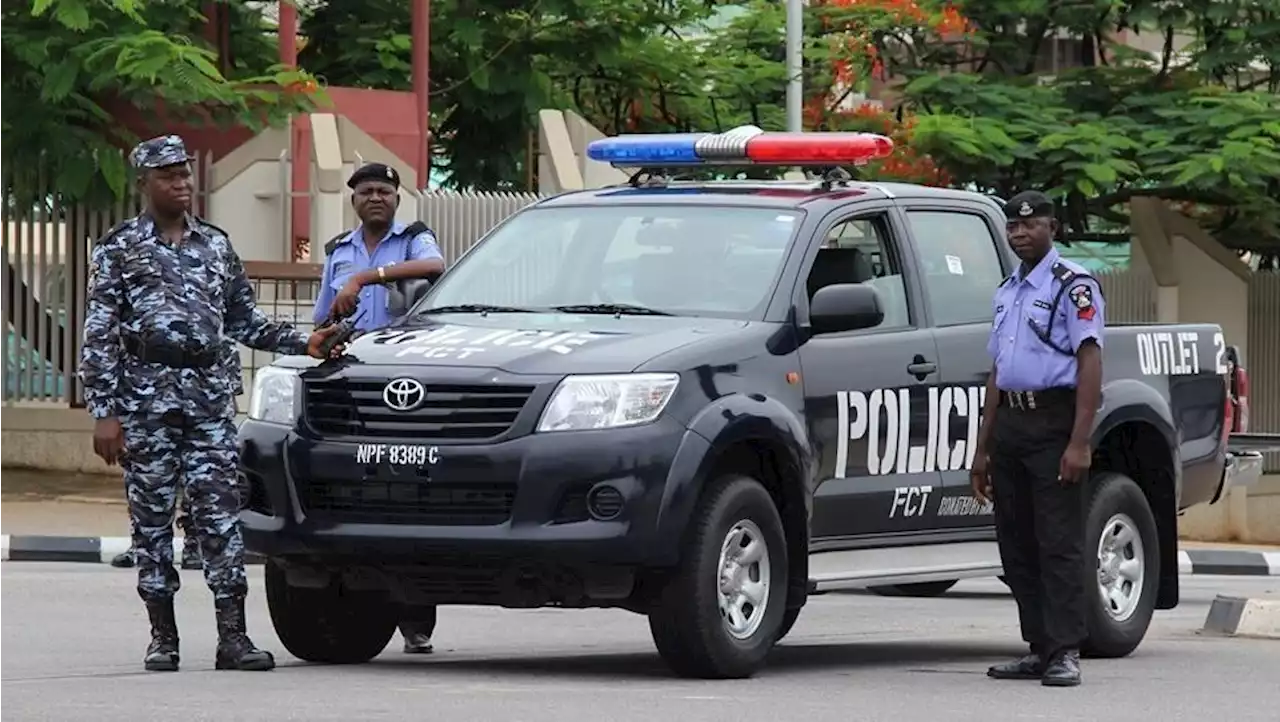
(1029, 204)
(374, 171)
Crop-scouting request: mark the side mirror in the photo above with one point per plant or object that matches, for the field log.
(845, 307)
(401, 295)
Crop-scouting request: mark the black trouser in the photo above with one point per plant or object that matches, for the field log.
(1040, 524)
(418, 620)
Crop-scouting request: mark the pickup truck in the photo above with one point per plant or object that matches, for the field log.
(703, 401)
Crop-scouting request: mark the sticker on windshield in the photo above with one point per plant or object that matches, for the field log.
(955, 266)
(462, 342)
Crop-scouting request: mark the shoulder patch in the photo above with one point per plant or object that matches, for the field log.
(332, 243)
(1081, 296)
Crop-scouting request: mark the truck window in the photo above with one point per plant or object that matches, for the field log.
(961, 267)
(858, 251)
(689, 260)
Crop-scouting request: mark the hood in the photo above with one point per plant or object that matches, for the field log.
(528, 343)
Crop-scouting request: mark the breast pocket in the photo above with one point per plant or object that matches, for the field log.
(144, 282)
(1038, 319)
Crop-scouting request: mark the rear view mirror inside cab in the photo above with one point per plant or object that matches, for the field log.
(843, 307)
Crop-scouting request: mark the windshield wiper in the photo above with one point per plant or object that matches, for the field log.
(474, 308)
(617, 309)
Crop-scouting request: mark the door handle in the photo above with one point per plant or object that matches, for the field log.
(920, 368)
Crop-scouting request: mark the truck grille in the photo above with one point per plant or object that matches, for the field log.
(408, 502)
(356, 408)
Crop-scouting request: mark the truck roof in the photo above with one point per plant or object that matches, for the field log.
(755, 193)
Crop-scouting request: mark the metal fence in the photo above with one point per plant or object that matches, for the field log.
(44, 250)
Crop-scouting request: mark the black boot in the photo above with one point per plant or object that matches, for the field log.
(162, 653)
(235, 650)
(1063, 671)
(123, 560)
(191, 554)
(1028, 667)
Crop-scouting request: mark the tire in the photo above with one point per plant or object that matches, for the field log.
(330, 625)
(788, 621)
(1119, 530)
(918, 589)
(688, 628)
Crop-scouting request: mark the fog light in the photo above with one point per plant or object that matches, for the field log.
(604, 502)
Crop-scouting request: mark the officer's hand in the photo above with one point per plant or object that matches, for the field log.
(348, 298)
(316, 341)
(1075, 463)
(979, 478)
(108, 439)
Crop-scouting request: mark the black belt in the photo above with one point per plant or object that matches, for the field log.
(1056, 397)
(170, 355)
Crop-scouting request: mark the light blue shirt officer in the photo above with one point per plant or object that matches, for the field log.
(376, 189)
(1042, 315)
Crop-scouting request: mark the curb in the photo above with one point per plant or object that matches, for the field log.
(1230, 562)
(1240, 617)
(90, 549)
(93, 549)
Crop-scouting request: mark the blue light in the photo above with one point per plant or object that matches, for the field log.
(647, 150)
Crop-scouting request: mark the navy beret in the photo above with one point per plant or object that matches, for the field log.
(1029, 204)
(374, 171)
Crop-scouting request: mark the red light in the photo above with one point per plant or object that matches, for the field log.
(1240, 424)
(832, 148)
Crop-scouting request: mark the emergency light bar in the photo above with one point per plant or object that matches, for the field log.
(747, 145)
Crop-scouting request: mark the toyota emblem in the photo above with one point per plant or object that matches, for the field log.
(404, 394)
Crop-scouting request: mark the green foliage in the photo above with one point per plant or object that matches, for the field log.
(65, 61)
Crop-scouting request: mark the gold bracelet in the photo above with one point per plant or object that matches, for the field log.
(382, 274)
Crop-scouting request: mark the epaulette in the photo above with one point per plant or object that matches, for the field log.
(203, 222)
(415, 229)
(1005, 282)
(112, 233)
(1062, 273)
(332, 243)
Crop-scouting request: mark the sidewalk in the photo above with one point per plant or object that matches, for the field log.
(36, 503)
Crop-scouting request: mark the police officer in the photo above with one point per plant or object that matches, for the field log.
(1033, 454)
(357, 264)
(166, 290)
(380, 250)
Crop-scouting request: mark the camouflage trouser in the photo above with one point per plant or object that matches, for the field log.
(202, 456)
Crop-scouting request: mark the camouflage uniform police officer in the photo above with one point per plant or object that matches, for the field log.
(166, 291)
(1033, 453)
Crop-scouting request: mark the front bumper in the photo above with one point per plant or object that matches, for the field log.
(308, 500)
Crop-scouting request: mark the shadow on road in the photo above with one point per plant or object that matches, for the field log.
(790, 656)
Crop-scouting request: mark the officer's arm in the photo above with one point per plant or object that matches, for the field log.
(425, 260)
(1085, 328)
(324, 298)
(100, 352)
(989, 406)
(249, 325)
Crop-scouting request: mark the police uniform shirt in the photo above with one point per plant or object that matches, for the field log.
(1025, 362)
(350, 256)
(190, 295)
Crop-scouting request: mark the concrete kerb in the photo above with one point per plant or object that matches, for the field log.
(1240, 617)
(1233, 562)
(88, 549)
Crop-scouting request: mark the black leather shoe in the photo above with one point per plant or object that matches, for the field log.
(1063, 671)
(191, 556)
(1028, 667)
(123, 560)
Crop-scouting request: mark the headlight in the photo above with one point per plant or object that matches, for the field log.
(607, 402)
(274, 391)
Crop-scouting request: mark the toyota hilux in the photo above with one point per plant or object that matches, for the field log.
(702, 401)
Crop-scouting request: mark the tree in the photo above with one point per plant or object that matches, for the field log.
(495, 65)
(65, 61)
(1196, 123)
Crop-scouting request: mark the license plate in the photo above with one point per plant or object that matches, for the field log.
(397, 454)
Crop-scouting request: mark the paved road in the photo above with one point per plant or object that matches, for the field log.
(74, 635)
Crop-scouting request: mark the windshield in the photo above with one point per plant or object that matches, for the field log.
(679, 259)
